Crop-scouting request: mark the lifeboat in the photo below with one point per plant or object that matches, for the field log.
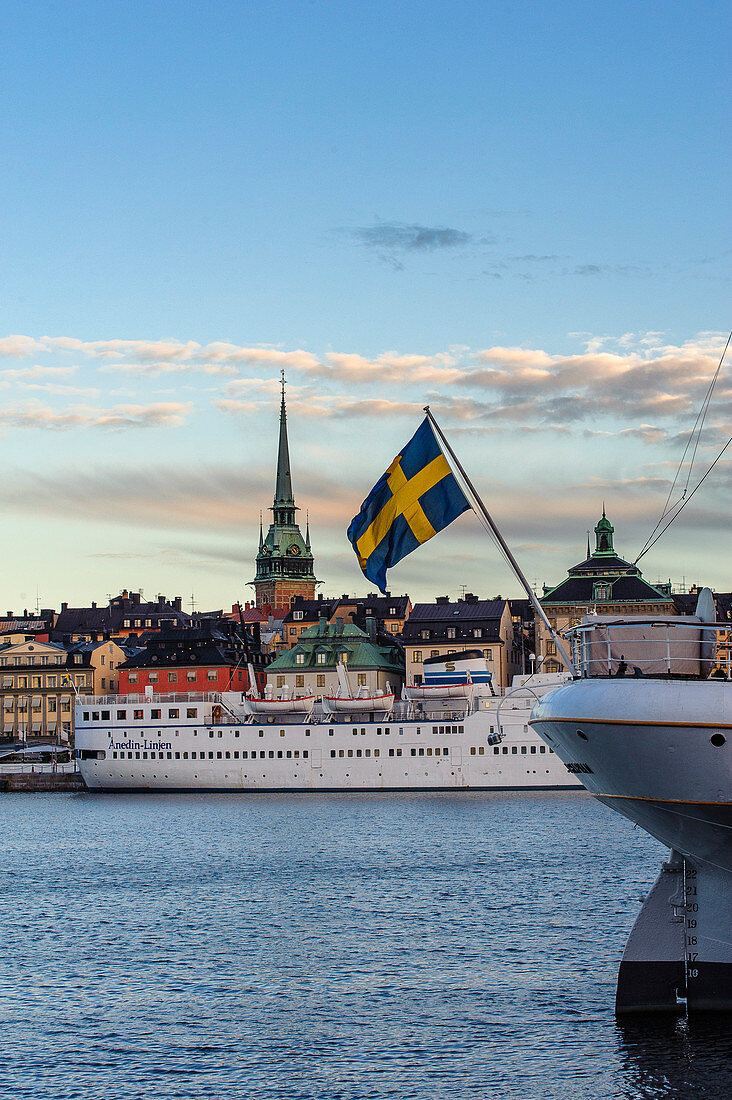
(298, 704)
(359, 704)
(421, 692)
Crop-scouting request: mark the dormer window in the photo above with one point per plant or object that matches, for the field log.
(297, 614)
(320, 658)
(299, 658)
(451, 631)
(601, 592)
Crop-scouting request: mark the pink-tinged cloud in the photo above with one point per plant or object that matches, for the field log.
(118, 418)
(20, 347)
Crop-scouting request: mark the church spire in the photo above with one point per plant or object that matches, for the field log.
(283, 485)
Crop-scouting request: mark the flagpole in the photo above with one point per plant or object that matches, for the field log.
(502, 542)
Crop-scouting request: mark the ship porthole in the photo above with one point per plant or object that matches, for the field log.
(718, 739)
(582, 735)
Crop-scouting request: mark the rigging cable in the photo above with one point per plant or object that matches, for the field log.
(693, 441)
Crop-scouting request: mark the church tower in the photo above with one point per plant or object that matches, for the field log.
(285, 560)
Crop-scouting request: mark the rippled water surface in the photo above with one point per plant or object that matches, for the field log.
(345, 946)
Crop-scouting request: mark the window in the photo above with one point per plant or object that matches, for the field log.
(299, 681)
(153, 676)
(51, 681)
(362, 679)
(299, 658)
(138, 715)
(191, 675)
(477, 632)
(451, 632)
(211, 674)
(424, 634)
(133, 677)
(297, 615)
(280, 681)
(417, 655)
(173, 712)
(434, 653)
(488, 654)
(192, 712)
(320, 680)
(321, 658)
(154, 714)
(172, 677)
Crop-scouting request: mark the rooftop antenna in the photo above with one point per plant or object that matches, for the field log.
(38, 602)
(193, 603)
(463, 589)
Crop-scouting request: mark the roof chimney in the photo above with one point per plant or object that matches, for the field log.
(64, 607)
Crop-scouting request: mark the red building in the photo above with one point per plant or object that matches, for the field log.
(212, 656)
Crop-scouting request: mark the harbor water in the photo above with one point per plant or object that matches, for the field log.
(414, 946)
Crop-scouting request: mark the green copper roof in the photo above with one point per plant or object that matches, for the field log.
(283, 485)
(331, 640)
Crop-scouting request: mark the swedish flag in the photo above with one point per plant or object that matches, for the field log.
(416, 497)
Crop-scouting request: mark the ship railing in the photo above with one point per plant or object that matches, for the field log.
(652, 647)
(134, 699)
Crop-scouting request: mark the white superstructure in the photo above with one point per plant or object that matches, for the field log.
(214, 742)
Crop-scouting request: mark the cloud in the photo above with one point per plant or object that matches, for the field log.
(400, 237)
(20, 347)
(33, 415)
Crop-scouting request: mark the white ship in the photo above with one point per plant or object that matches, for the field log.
(213, 742)
(650, 733)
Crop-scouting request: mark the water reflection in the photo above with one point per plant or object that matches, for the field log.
(670, 1057)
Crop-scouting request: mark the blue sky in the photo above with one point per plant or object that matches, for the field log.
(515, 212)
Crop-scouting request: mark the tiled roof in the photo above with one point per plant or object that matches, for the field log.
(580, 590)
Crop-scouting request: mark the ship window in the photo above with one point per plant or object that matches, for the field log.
(297, 754)
(496, 751)
(177, 756)
(169, 756)
(236, 755)
(472, 750)
(542, 748)
(421, 752)
(86, 715)
(399, 752)
(227, 755)
(305, 753)
(332, 753)
(376, 752)
(307, 733)
(220, 734)
(191, 712)
(429, 752)
(210, 756)
(114, 755)
(236, 733)
(481, 751)
(413, 752)
(350, 752)
(445, 752)
(121, 715)
(504, 750)
(514, 750)
(173, 712)
(271, 754)
(261, 733)
(105, 715)
(193, 756)
(129, 755)
(533, 749)
(340, 752)
(279, 754)
(137, 715)
(154, 714)
(185, 755)
(359, 752)
(210, 733)
(391, 752)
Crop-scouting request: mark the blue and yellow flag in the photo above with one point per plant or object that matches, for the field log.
(416, 497)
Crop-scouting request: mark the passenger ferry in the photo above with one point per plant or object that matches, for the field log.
(214, 742)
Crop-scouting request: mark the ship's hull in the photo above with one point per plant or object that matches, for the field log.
(149, 744)
(660, 753)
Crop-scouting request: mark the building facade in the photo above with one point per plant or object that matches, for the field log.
(285, 560)
(373, 662)
(38, 681)
(445, 627)
(604, 583)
